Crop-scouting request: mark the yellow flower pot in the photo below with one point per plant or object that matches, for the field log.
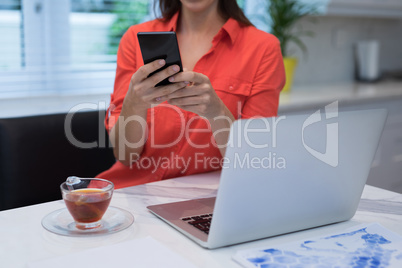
(290, 67)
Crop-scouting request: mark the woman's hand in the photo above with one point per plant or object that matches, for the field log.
(142, 92)
(198, 97)
(129, 134)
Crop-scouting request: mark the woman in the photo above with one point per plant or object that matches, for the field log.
(232, 70)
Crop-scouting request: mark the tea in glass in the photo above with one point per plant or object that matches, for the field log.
(87, 200)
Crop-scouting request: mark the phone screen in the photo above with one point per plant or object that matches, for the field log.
(160, 45)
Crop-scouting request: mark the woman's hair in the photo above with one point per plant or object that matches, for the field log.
(226, 8)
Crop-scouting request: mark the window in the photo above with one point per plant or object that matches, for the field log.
(10, 27)
(63, 46)
(67, 46)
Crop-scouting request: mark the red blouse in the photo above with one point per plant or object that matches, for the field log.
(246, 70)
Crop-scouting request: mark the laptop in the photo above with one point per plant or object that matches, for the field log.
(281, 175)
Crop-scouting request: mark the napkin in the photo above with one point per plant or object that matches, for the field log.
(143, 252)
(367, 245)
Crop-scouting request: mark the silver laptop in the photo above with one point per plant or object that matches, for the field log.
(282, 175)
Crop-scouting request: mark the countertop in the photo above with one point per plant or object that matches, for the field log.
(304, 97)
(300, 97)
(24, 240)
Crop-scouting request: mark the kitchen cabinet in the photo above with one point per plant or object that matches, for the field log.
(365, 8)
(386, 170)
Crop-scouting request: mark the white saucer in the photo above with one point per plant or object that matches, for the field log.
(62, 223)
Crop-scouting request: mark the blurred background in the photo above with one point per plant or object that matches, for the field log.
(70, 46)
(57, 54)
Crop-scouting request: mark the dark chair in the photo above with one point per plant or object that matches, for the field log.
(37, 154)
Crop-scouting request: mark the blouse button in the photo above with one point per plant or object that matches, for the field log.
(230, 87)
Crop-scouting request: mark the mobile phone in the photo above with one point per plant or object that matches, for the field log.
(160, 45)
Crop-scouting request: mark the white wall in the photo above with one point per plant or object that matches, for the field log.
(330, 57)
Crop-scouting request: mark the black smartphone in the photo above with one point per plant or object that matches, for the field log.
(160, 45)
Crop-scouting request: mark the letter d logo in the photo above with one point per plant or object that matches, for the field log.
(330, 156)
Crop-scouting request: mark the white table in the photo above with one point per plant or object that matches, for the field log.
(23, 239)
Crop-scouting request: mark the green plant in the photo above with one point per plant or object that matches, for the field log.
(128, 13)
(284, 15)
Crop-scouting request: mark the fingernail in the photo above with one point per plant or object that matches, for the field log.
(158, 98)
(162, 62)
(171, 79)
(186, 82)
(176, 68)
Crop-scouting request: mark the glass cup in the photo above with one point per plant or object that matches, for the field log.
(87, 200)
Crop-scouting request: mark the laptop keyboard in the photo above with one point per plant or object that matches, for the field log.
(201, 222)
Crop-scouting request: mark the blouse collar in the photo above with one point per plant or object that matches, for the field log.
(231, 28)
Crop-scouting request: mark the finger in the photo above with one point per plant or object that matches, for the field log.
(161, 93)
(165, 91)
(144, 71)
(194, 77)
(185, 92)
(163, 74)
(187, 101)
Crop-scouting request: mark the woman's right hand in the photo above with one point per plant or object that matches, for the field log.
(129, 134)
(142, 92)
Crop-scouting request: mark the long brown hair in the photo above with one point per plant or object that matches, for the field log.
(226, 8)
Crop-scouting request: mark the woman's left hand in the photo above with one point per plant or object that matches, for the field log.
(198, 97)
